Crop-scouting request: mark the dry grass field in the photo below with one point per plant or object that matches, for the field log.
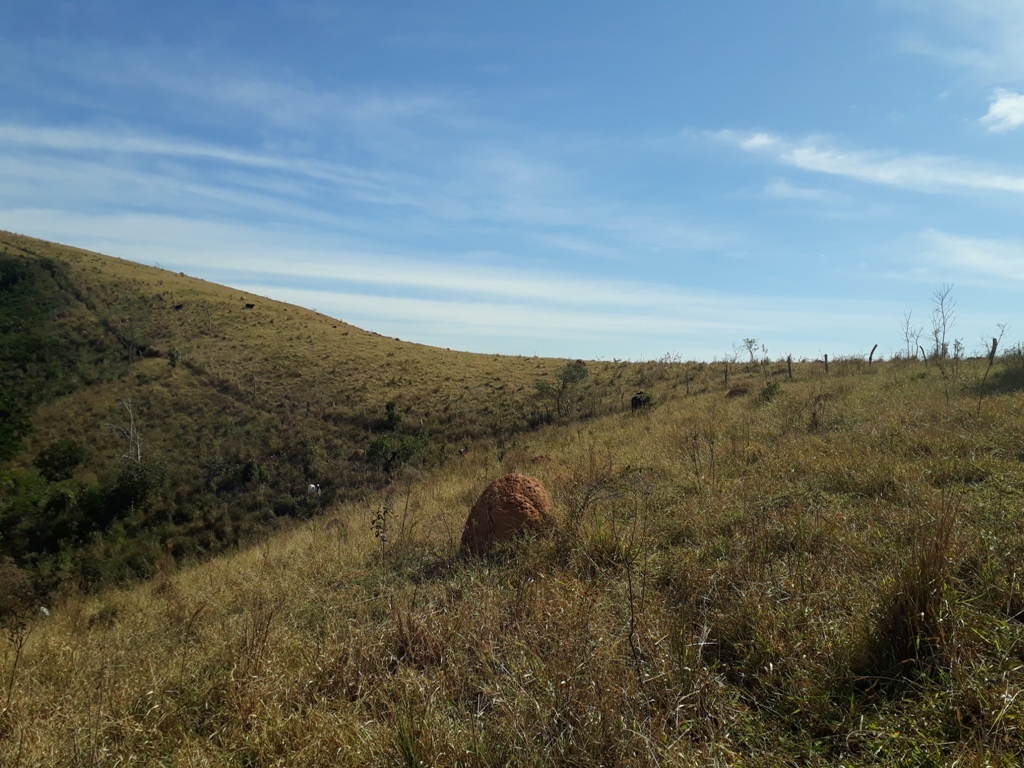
(828, 574)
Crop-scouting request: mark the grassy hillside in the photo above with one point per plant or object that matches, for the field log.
(827, 574)
(150, 417)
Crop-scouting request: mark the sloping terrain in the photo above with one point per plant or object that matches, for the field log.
(149, 415)
(828, 573)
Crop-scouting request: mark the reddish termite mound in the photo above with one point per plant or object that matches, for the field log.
(511, 504)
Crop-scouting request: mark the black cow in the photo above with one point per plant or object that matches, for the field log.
(640, 401)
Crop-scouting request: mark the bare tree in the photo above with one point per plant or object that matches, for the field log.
(128, 432)
(943, 319)
(911, 335)
(996, 340)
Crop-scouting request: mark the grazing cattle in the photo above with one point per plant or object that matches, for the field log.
(44, 612)
(178, 307)
(313, 490)
(249, 306)
(640, 401)
(463, 450)
(357, 455)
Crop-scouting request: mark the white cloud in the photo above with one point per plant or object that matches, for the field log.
(479, 317)
(782, 189)
(637, 330)
(1006, 111)
(245, 250)
(759, 141)
(982, 35)
(92, 169)
(133, 143)
(1000, 260)
(924, 173)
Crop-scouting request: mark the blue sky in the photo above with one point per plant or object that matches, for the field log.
(574, 179)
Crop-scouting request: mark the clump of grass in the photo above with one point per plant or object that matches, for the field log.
(770, 391)
(911, 635)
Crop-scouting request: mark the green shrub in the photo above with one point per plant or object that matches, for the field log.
(16, 591)
(388, 452)
(14, 425)
(1011, 377)
(563, 393)
(58, 460)
(770, 391)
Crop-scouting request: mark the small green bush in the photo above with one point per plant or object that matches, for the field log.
(1011, 377)
(388, 452)
(770, 391)
(58, 460)
(14, 425)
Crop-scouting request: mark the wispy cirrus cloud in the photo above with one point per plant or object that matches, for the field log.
(1005, 112)
(123, 142)
(982, 35)
(235, 251)
(919, 172)
(975, 257)
(784, 190)
(223, 91)
(635, 330)
(486, 185)
(421, 156)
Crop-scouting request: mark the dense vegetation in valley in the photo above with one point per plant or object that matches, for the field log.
(822, 569)
(149, 417)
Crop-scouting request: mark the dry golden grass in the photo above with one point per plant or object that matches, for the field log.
(832, 577)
